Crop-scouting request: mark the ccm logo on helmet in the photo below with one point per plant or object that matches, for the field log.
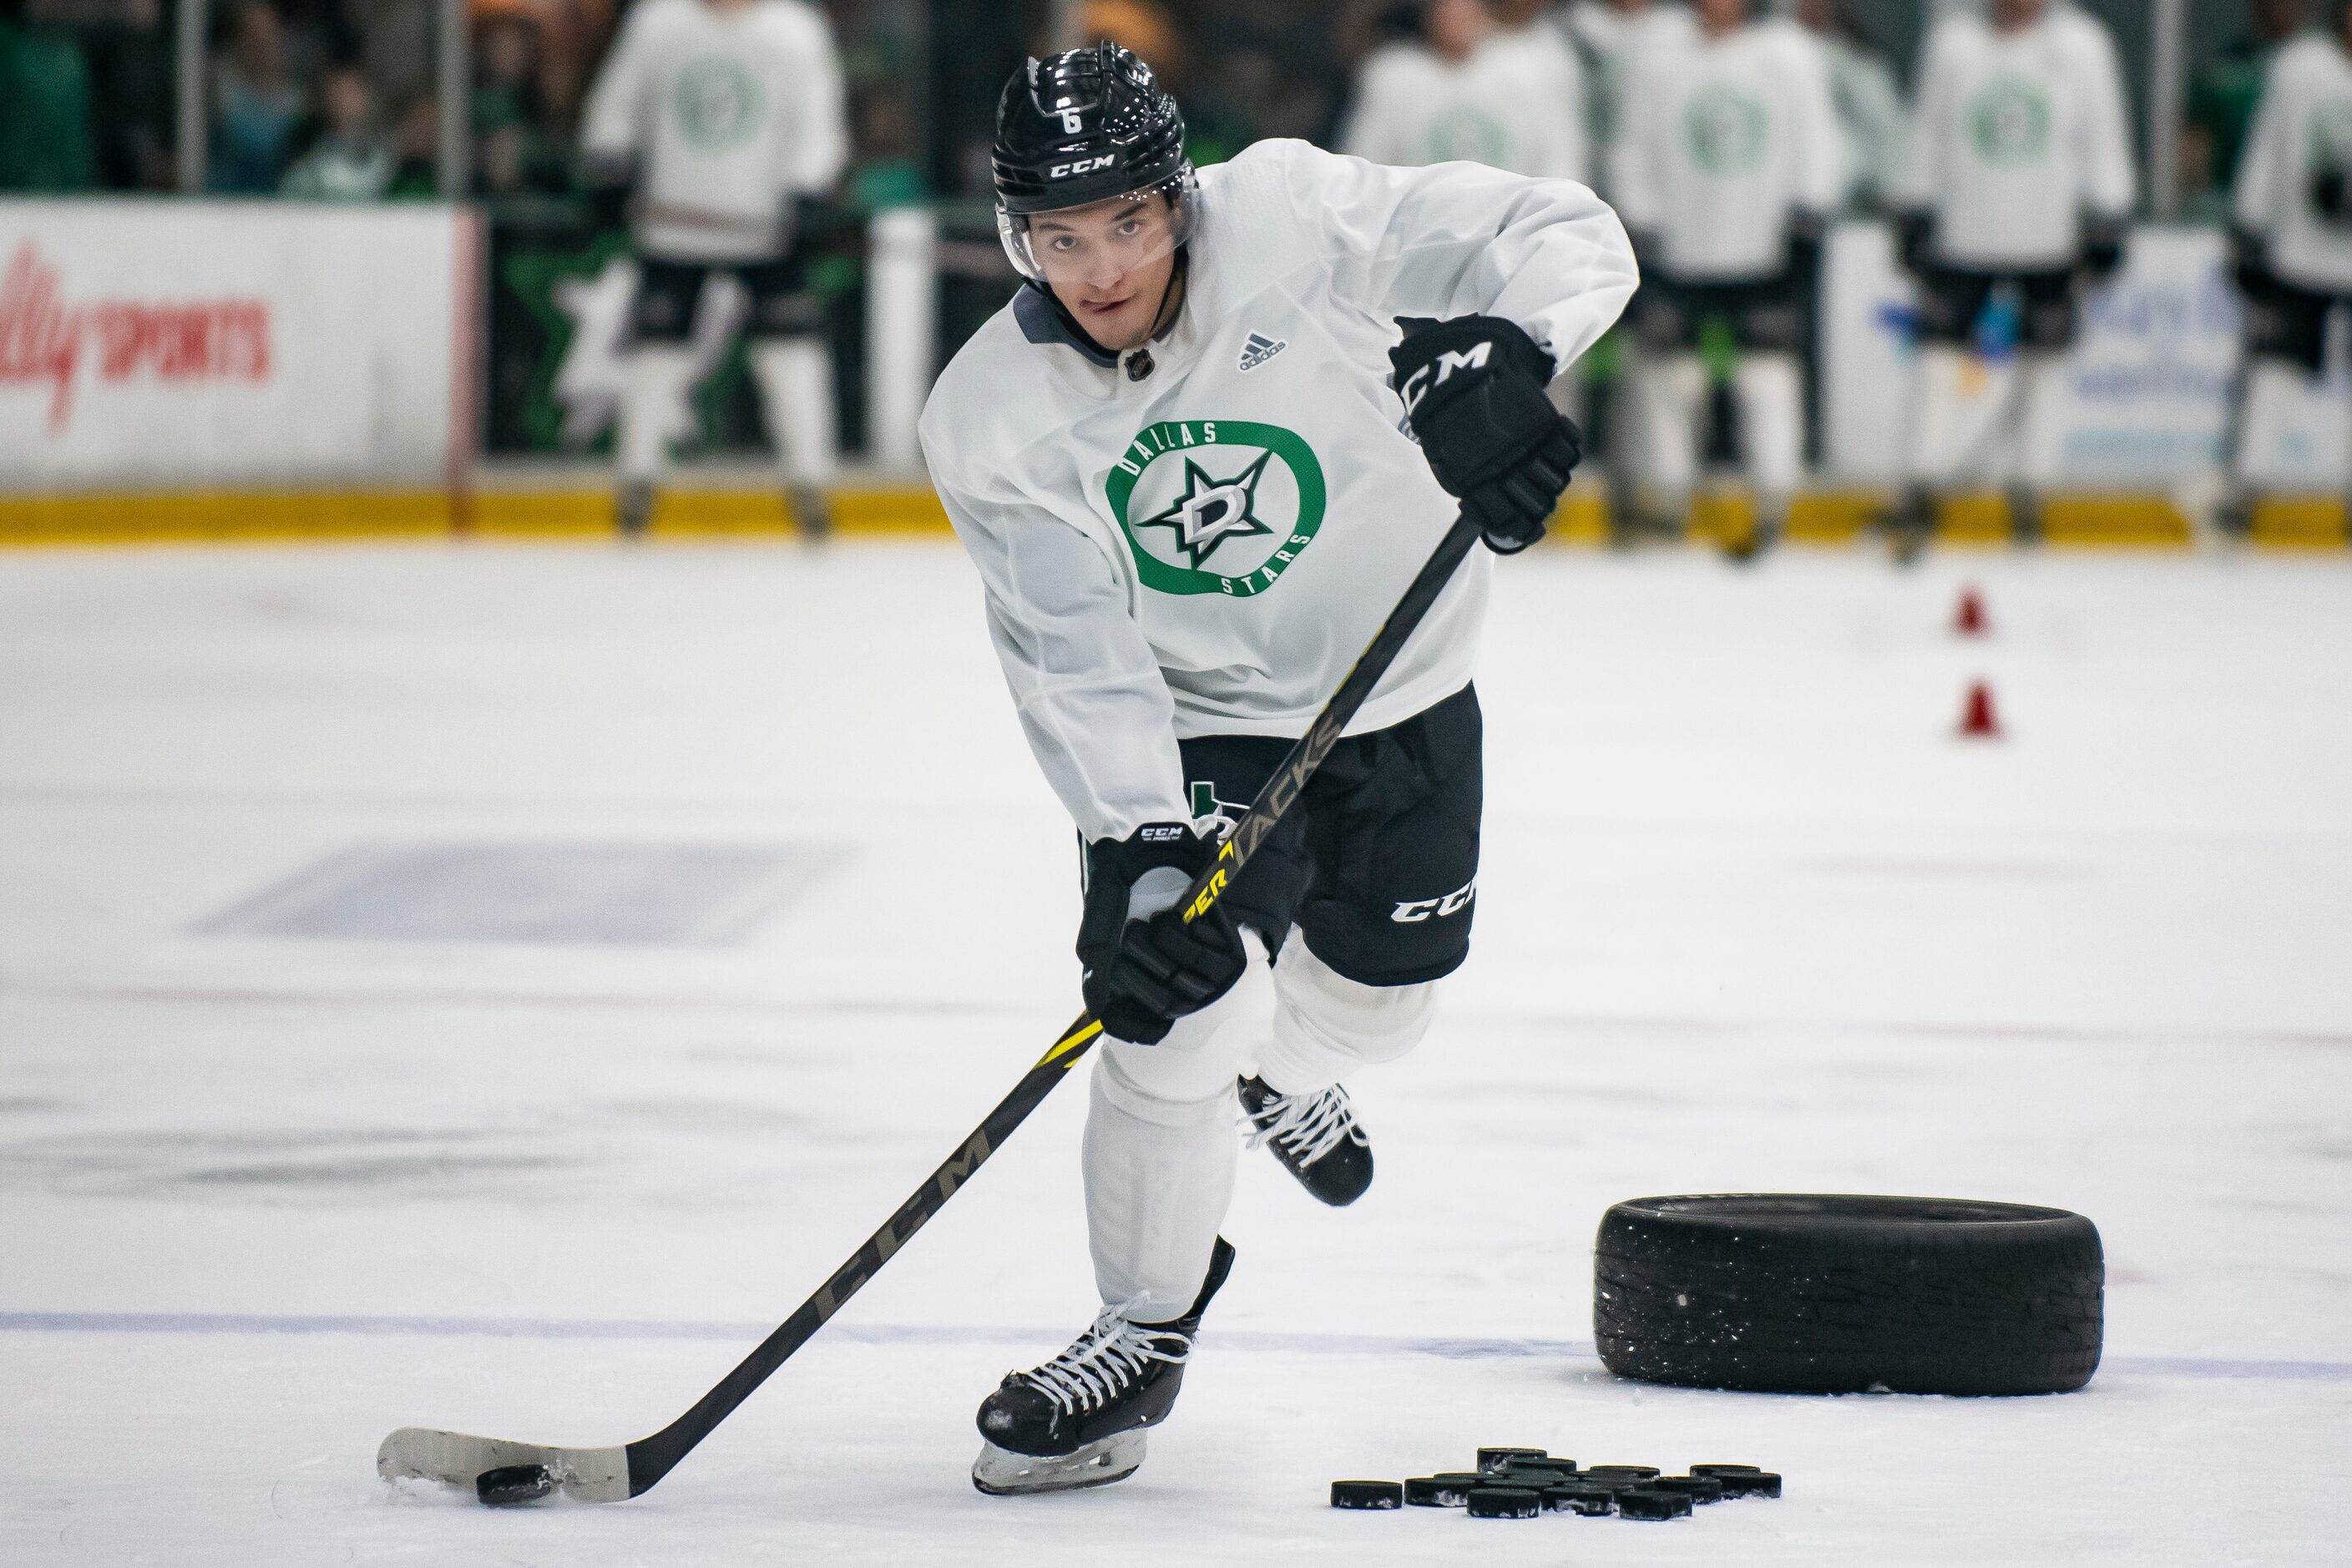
(1422, 380)
(1084, 166)
(1420, 909)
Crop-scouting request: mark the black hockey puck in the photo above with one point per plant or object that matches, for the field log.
(1579, 1498)
(1749, 1483)
(1698, 1489)
(1505, 1502)
(1367, 1494)
(1617, 1475)
(1560, 1469)
(1649, 1502)
(1492, 1460)
(1727, 1470)
(1447, 1488)
(511, 1484)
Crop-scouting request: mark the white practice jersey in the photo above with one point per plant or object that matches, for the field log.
(725, 115)
(1609, 40)
(1870, 109)
(1199, 537)
(1725, 139)
(2302, 129)
(1516, 103)
(2015, 135)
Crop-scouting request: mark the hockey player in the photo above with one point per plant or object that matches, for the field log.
(1510, 97)
(2294, 240)
(1192, 495)
(722, 119)
(1731, 163)
(2015, 185)
(1610, 36)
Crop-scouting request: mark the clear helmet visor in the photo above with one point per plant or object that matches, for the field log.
(1102, 241)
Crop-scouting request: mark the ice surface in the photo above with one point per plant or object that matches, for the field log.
(1750, 918)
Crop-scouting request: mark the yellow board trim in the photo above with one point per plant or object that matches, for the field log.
(2300, 522)
(269, 516)
(1822, 517)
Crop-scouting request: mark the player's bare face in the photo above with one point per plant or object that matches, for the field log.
(1720, 17)
(2008, 15)
(1109, 264)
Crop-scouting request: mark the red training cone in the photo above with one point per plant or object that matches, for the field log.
(1968, 620)
(1978, 721)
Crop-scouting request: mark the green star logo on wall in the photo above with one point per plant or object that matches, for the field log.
(1213, 510)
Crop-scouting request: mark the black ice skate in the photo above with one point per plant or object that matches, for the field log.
(1315, 1136)
(1078, 1420)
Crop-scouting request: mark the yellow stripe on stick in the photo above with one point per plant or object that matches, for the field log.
(1069, 1043)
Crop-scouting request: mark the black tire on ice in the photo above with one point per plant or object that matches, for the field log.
(1803, 1293)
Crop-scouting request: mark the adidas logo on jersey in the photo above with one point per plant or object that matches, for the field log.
(1259, 348)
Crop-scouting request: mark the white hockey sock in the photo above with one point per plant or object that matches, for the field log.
(653, 408)
(1162, 1136)
(1671, 394)
(1326, 1024)
(2275, 391)
(2038, 454)
(1956, 400)
(1771, 428)
(795, 377)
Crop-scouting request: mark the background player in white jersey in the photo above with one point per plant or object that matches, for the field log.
(2016, 184)
(722, 118)
(1731, 163)
(1869, 103)
(2293, 238)
(1192, 495)
(1470, 88)
(1607, 37)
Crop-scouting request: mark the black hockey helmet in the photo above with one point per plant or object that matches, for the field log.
(1086, 126)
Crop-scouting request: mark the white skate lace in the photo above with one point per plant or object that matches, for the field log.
(1107, 1357)
(1308, 1125)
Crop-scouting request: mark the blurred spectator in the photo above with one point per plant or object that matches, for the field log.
(1140, 25)
(351, 161)
(514, 148)
(43, 106)
(396, 44)
(1869, 105)
(2225, 94)
(415, 151)
(256, 104)
(127, 52)
(1468, 88)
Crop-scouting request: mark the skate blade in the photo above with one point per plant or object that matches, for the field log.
(1001, 1473)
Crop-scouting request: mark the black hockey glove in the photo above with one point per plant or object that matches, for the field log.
(1474, 391)
(1914, 233)
(1807, 233)
(608, 181)
(1145, 967)
(2328, 197)
(2103, 247)
(2250, 263)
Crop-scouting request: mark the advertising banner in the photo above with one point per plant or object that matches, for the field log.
(164, 344)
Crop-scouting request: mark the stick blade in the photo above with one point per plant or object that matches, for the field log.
(459, 1461)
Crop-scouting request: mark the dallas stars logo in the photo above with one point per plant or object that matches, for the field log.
(1212, 511)
(1194, 531)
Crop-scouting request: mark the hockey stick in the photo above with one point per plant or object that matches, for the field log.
(499, 1471)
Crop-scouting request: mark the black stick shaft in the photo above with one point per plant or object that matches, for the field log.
(651, 1458)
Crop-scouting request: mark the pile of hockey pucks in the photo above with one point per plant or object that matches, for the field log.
(1523, 1483)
